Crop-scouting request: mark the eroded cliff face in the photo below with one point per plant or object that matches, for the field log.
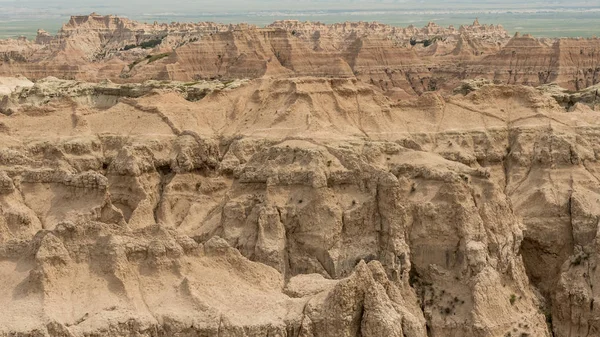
(296, 206)
(402, 62)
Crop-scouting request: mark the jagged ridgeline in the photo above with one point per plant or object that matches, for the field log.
(301, 179)
(412, 59)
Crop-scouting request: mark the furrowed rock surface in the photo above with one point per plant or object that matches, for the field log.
(297, 206)
(400, 61)
(300, 179)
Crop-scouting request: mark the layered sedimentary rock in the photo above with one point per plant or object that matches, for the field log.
(401, 61)
(300, 179)
(297, 206)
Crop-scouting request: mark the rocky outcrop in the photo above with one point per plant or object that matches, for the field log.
(413, 60)
(303, 206)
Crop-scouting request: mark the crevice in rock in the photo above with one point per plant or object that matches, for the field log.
(220, 326)
(530, 249)
(418, 286)
(289, 231)
(506, 168)
(570, 211)
(360, 318)
(326, 264)
(22, 194)
(380, 230)
(304, 317)
(428, 329)
(286, 253)
(166, 176)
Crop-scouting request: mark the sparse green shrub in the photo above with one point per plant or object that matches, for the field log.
(426, 42)
(153, 58)
(150, 44)
(134, 63)
(513, 299)
(144, 45)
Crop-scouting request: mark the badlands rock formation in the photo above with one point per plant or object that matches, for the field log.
(401, 61)
(298, 180)
(295, 207)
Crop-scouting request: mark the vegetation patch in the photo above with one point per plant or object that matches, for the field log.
(145, 45)
(151, 43)
(153, 58)
(513, 299)
(426, 42)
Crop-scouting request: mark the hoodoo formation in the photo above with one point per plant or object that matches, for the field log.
(298, 180)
